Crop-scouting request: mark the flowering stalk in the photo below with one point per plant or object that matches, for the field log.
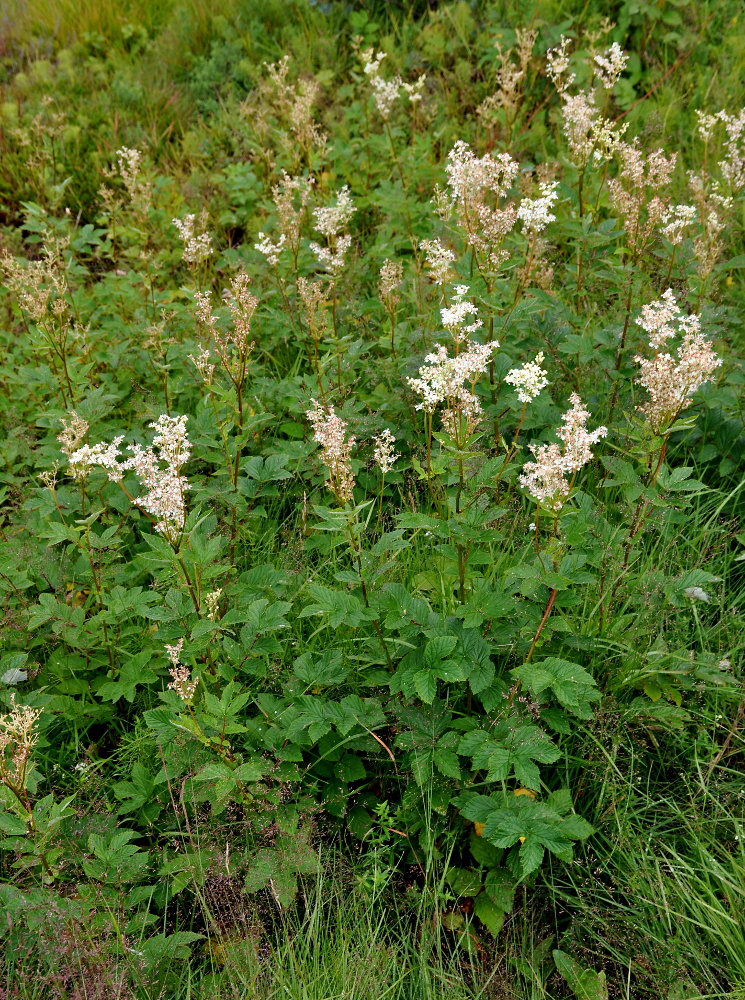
(330, 431)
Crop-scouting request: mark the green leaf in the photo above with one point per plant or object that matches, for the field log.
(438, 649)
(426, 685)
(490, 915)
(586, 984)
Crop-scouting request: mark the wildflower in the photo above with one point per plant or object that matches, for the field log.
(290, 197)
(181, 680)
(166, 487)
(733, 166)
(197, 246)
(439, 261)
(384, 454)
(129, 162)
(385, 91)
(576, 438)
(332, 260)
(414, 90)
(441, 376)
(454, 317)
(212, 600)
(241, 303)
(391, 276)
(332, 219)
(471, 177)
(528, 380)
(676, 220)
(588, 134)
(313, 296)
(610, 65)
(270, 250)
(706, 124)
(330, 431)
(463, 414)
(657, 319)
(203, 364)
(671, 381)
(87, 457)
(545, 478)
(478, 186)
(174, 652)
(637, 192)
(535, 213)
(74, 429)
(18, 737)
(557, 64)
(139, 192)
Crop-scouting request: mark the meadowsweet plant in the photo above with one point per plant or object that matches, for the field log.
(44, 296)
(545, 479)
(372, 446)
(197, 245)
(18, 736)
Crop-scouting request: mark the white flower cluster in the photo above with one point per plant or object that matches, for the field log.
(197, 246)
(181, 681)
(677, 219)
(330, 431)
(157, 467)
(658, 319)
(438, 260)
(557, 65)
(386, 91)
(454, 317)
(331, 220)
(442, 379)
(478, 187)
(733, 167)
(384, 453)
(545, 478)
(535, 213)
(270, 250)
(670, 381)
(528, 380)
(610, 65)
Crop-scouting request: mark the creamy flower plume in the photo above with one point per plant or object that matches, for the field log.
(610, 65)
(671, 381)
(331, 220)
(157, 467)
(479, 186)
(545, 478)
(528, 380)
(330, 431)
(535, 213)
(442, 379)
(384, 453)
(455, 316)
(181, 680)
(197, 245)
(18, 737)
(270, 250)
(438, 260)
